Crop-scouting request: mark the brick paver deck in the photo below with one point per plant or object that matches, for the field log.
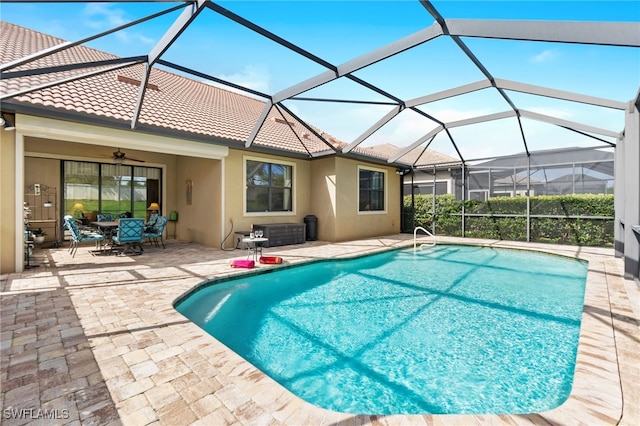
(95, 340)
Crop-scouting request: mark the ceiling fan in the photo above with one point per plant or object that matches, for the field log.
(119, 157)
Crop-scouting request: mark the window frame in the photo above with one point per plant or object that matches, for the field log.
(423, 183)
(385, 190)
(245, 187)
(100, 185)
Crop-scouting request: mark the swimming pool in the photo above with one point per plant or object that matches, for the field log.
(452, 329)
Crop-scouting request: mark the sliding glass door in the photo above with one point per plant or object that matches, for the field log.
(110, 188)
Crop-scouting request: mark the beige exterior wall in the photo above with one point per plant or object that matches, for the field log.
(326, 187)
(198, 222)
(43, 171)
(234, 193)
(58, 140)
(351, 223)
(324, 200)
(43, 158)
(7, 202)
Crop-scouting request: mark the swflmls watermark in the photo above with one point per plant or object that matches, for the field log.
(35, 413)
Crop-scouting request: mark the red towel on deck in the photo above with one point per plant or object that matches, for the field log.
(241, 263)
(271, 260)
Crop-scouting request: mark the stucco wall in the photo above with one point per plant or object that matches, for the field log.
(326, 188)
(235, 182)
(7, 202)
(37, 149)
(44, 171)
(199, 222)
(42, 165)
(351, 223)
(323, 200)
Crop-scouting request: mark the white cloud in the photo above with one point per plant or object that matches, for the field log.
(256, 77)
(551, 112)
(545, 56)
(101, 16)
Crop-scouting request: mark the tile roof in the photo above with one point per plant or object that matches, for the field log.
(172, 101)
(414, 157)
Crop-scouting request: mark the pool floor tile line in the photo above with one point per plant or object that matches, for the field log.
(96, 340)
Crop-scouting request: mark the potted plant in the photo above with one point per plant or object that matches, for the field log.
(38, 236)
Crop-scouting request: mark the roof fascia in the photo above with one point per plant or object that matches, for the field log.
(145, 129)
(603, 33)
(45, 127)
(373, 160)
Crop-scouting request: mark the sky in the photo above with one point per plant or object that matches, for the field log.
(338, 31)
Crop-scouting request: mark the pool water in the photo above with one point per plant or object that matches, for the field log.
(449, 329)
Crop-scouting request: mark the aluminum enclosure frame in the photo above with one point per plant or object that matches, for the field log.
(626, 34)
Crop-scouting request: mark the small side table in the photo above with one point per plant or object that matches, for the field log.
(254, 246)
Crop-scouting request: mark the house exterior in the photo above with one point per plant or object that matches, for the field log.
(425, 169)
(547, 172)
(187, 153)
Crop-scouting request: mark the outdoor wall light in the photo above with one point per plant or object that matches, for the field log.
(6, 124)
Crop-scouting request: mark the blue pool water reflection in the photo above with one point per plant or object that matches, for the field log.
(450, 329)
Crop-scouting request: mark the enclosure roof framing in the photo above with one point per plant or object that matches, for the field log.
(305, 138)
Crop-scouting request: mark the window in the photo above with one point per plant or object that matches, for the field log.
(442, 187)
(110, 188)
(371, 190)
(478, 194)
(269, 187)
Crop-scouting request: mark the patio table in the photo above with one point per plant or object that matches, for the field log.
(254, 246)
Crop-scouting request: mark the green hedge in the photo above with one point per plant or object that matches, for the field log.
(563, 230)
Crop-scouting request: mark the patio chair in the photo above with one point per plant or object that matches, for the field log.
(105, 217)
(80, 235)
(129, 235)
(156, 230)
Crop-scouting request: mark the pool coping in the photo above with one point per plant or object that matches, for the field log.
(582, 405)
(150, 365)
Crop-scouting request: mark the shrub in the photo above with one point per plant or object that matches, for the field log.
(561, 229)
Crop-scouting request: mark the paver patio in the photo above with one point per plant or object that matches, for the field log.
(95, 340)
